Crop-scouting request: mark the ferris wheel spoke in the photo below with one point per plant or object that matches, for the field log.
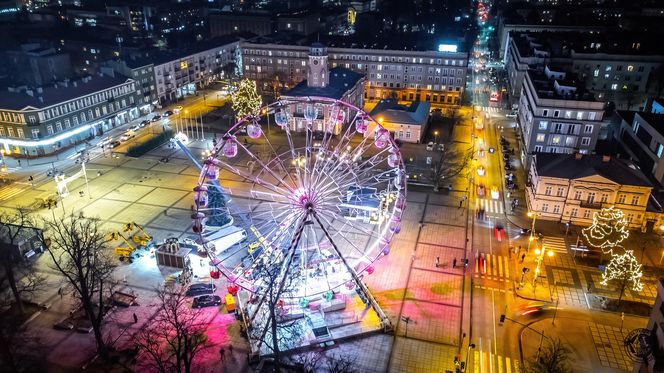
(343, 235)
(283, 166)
(351, 227)
(264, 167)
(256, 179)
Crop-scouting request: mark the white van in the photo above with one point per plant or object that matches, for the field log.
(224, 238)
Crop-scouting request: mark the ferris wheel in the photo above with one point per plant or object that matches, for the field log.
(312, 185)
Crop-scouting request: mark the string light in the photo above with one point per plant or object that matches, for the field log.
(608, 230)
(246, 99)
(624, 267)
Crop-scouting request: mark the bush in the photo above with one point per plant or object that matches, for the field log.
(141, 149)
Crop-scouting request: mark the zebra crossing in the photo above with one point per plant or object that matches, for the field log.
(10, 191)
(491, 109)
(491, 206)
(492, 267)
(556, 244)
(485, 361)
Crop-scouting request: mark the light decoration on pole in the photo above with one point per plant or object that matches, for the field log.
(608, 230)
(625, 269)
(246, 100)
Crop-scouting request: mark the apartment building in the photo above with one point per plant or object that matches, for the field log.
(557, 115)
(436, 77)
(40, 121)
(641, 135)
(179, 72)
(651, 341)
(571, 187)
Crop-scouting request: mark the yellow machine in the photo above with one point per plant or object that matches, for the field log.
(121, 250)
(141, 239)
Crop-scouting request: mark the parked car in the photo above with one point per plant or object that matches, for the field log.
(511, 115)
(206, 301)
(114, 144)
(430, 146)
(156, 118)
(168, 113)
(200, 289)
(135, 128)
(178, 109)
(441, 147)
(144, 123)
(126, 136)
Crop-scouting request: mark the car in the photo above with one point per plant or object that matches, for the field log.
(126, 136)
(177, 109)
(168, 113)
(495, 194)
(200, 289)
(156, 118)
(481, 153)
(135, 128)
(114, 144)
(206, 301)
(105, 141)
(430, 146)
(511, 115)
(144, 123)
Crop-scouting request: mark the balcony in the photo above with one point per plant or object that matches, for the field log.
(590, 205)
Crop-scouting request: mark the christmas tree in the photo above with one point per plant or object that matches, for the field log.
(246, 100)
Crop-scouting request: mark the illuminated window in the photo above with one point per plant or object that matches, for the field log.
(541, 137)
(630, 68)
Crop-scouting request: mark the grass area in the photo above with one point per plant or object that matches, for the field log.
(141, 149)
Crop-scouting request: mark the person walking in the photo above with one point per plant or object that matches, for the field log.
(222, 354)
(437, 261)
(523, 257)
(135, 318)
(230, 348)
(454, 263)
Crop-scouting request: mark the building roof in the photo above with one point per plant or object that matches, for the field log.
(655, 120)
(341, 81)
(56, 93)
(577, 166)
(158, 57)
(546, 87)
(390, 111)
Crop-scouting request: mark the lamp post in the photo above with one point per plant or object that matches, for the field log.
(465, 364)
(540, 258)
(435, 134)
(534, 215)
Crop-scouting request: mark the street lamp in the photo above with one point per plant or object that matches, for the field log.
(540, 258)
(465, 364)
(534, 215)
(435, 134)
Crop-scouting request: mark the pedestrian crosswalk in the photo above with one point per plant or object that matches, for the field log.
(485, 361)
(492, 267)
(490, 206)
(10, 191)
(556, 244)
(491, 109)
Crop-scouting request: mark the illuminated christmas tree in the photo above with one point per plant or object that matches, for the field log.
(246, 99)
(608, 230)
(624, 269)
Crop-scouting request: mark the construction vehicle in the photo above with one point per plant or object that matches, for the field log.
(121, 250)
(141, 239)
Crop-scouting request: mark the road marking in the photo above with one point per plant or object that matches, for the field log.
(555, 244)
(508, 365)
(507, 267)
(500, 266)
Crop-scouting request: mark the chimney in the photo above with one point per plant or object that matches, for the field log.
(41, 99)
(606, 158)
(578, 156)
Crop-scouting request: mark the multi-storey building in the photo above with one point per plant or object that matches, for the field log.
(229, 23)
(143, 73)
(557, 115)
(641, 135)
(338, 83)
(570, 188)
(177, 73)
(35, 65)
(436, 77)
(652, 341)
(615, 67)
(39, 121)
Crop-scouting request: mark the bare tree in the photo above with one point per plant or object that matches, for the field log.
(14, 227)
(555, 357)
(80, 253)
(451, 161)
(341, 364)
(175, 336)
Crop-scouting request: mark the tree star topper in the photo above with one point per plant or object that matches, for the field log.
(608, 230)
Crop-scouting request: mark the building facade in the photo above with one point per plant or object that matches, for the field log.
(556, 115)
(641, 135)
(143, 74)
(41, 121)
(571, 188)
(436, 77)
(178, 74)
(405, 123)
(656, 328)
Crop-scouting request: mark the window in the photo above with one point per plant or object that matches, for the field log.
(630, 68)
(2, 131)
(35, 133)
(574, 212)
(560, 191)
(547, 190)
(586, 214)
(555, 140)
(591, 197)
(543, 125)
(568, 114)
(579, 115)
(608, 68)
(605, 198)
(10, 131)
(635, 200)
(556, 209)
(538, 148)
(545, 113)
(545, 207)
(49, 129)
(556, 113)
(577, 195)
(407, 134)
(596, 73)
(588, 128)
(614, 86)
(19, 132)
(591, 116)
(585, 141)
(621, 198)
(58, 127)
(660, 150)
(541, 137)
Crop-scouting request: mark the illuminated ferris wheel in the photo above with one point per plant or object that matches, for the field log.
(313, 186)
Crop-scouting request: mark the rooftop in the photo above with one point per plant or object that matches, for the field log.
(341, 80)
(566, 87)
(577, 166)
(56, 93)
(157, 56)
(653, 119)
(390, 111)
